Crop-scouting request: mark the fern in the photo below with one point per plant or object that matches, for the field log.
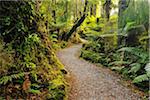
(34, 91)
(141, 78)
(53, 37)
(131, 26)
(135, 51)
(92, 56)
(144, 38)
(6, 79)
(117, 68)
(134, 68)
(118, 63)
(144, 77)
(34, 75)
(35, 85)
(147, 69)
(127, 27)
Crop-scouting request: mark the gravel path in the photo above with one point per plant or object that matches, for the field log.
(89, 82)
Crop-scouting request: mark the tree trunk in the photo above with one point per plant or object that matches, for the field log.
(107, 8)
(79, 22)
(91, 10)
(122, 7)
(54, 11)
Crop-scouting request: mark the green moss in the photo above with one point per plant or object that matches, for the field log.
(27, 55)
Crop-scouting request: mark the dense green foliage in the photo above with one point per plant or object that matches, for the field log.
(31, 32)
(123, 49)
(28, 65)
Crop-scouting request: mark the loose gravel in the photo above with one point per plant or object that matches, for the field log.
(90, 82)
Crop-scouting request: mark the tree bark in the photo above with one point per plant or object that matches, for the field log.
(107, 8)
(79, 22)
(122, 7)
(54, 11)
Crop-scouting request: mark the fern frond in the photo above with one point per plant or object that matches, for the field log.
(135, 51)
(117, 68)
(144, 77)
(6, 79)
(141, 78)
(144, 38)
(34, 91)
(147, 67)
(134, 68)
(118, 63)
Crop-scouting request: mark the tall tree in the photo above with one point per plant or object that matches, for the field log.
(54, 11)
(107, 8)
(122, 7)
(78, 23)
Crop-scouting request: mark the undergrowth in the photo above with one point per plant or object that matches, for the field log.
(128, 57)
(29, 68)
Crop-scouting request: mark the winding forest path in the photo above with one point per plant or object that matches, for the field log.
(89, 82)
